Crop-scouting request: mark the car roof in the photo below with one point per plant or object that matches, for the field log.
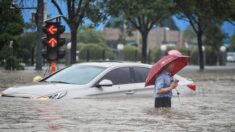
(114, 64)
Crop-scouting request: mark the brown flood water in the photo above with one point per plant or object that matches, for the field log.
(211, 109)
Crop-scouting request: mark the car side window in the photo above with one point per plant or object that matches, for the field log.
(119, 76)
(140, 74)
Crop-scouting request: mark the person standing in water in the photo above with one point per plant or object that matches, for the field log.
(164, 84)
(161, 76)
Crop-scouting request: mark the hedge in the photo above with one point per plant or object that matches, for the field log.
(211, 55)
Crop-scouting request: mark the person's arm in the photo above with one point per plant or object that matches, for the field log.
(167, 89)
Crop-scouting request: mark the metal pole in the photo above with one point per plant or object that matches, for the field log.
(136, 53)
(88, 55)
(103, 55)
(149, 57)
(67, 57)
(39, 22)
(32, 56)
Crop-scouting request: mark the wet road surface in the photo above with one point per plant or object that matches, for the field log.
(211, 109)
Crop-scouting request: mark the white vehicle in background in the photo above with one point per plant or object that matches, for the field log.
(93, 79)
(231, 56)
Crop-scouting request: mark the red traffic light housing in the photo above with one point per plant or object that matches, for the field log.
(52, 29)
(52, 41)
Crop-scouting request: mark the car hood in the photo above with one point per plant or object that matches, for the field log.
(37, 90)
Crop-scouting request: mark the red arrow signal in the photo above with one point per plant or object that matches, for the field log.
(52, 29)
(52, 42)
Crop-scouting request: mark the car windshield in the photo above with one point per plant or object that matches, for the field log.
(81, 74)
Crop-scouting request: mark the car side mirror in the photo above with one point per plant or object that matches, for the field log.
(105, 82)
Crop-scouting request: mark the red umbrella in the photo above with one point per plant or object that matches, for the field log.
(174, 56)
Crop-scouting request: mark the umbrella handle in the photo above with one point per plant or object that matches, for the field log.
(178, 93)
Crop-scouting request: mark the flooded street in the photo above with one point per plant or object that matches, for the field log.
(211, 109)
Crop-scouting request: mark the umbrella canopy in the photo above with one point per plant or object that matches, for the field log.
(174, 56)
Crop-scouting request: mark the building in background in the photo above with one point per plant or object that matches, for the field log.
(156, 37)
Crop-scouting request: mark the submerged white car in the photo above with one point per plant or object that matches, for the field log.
(93, 79)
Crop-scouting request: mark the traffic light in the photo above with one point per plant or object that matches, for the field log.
(52, 41)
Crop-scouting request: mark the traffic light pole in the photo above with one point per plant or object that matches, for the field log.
(39, 34)
(53, 42)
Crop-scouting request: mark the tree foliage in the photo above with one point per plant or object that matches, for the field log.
(27, 45)
(200, 14)
(11, 22)
(233, 41)
(142, 14)
(90, 35)
(214, 37)
(189, 35)
(11, 26)
(170, 23)
(224, 9)
(115, 22)
(93, 52)
(131, 53)
(77, 11)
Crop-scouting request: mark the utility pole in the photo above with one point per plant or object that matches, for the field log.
(39, 22)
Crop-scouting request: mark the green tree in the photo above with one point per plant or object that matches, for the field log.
(232, 41)
(27, 45)
(200, 14)
(120, 23)
(224, 9)
(11, 22)
(30, 26)
(77, 11)
(214, 37)
(131, 53)
(126, 27)
(189, 35)
(170, 23)
(93, 52)
(90, 35)
(11, 26)
(115, 22)
(142, 14)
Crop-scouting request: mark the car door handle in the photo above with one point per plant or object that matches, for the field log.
(130, 92)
